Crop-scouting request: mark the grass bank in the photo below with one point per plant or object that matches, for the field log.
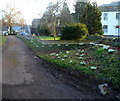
(47, 38)
(96, 60)
(2, 39)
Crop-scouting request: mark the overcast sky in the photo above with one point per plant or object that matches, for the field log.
(34, 8)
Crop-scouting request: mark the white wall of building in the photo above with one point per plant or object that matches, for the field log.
(111, 22)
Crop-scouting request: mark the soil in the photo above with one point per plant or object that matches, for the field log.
(25, 76)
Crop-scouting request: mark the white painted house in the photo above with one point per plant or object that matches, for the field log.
(111, 23)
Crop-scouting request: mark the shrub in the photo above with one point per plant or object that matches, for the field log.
(74, 31)
(94, 37)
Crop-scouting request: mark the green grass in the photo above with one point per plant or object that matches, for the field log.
(47, 38)
(2, 39)
(107, 63)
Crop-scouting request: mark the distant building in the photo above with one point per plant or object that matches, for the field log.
(111, 23)
(111, 19)
(4, 30)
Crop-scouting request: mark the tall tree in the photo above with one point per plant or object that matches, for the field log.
(10, 14)
(92, 18)
(66, 17)
(79, 7)
(51, 17)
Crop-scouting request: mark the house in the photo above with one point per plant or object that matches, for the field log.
(5, 30)
(111, 23)
(111, 19)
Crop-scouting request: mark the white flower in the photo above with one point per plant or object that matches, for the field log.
(67, 52)
(83, 63)
(111, 50)
(66, 45)
(105, 47)
(82, 51)
(70, 61)
(91, 43)
(58, 57)
(81, 44)
(82, 55)
(80, 58)
(63, 59)
(52, 54)
(59, 45)
(77, 53)
(60, 52)
(31, 41)
(79, 50)
(65, 56)
(56, 54)
(42, 45)
(37, 46)
(101, 45)
(93, 68)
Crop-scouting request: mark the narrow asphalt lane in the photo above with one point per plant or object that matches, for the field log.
(23, 77)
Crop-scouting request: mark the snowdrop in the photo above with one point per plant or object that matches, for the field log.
(43, 46)
(79, 50)
(60, 52)
(58, 57)
(80, 58)
(91, 43)
(66, 45)
(65, 56)
(67, 52)
(77, 54)
(82, 55)
(63, 59)
(56, 54)
(70, 61)
(83, 63)
(81, 44)
(105, 47)
(111, 50)
(101, 45)
(59, 45)
(52, 54)
(82, 51)
(93, 68)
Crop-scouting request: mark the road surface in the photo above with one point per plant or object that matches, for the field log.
(24, 77)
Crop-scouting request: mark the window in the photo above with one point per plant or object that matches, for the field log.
(105, 28)
(117, 16)
(105, 16)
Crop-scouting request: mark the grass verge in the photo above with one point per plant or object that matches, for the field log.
(92, 59)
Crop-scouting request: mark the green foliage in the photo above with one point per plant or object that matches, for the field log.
(94, 37)
(74, 31)
(2, 40)
(92, 18)
(43, 31)
(79, 8)
(107, 64)
(99, 53)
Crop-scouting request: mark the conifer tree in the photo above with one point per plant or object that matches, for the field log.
(92, 18)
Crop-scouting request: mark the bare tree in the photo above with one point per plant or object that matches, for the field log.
(51, 17)
(10, 14)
